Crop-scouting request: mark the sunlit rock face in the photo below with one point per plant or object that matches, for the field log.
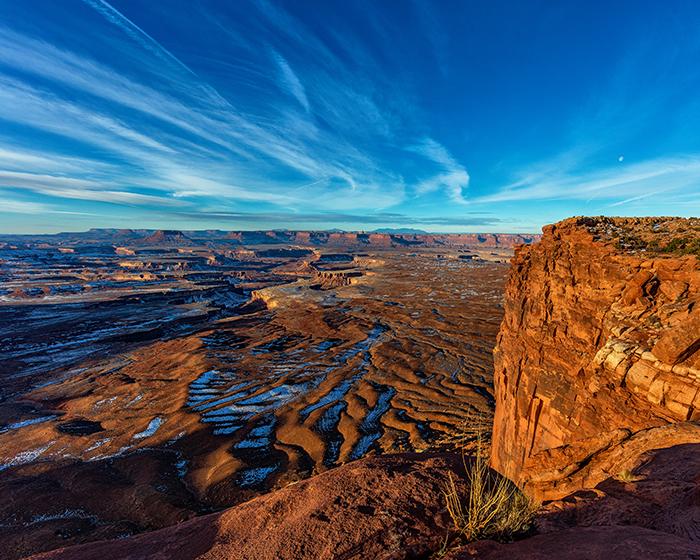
(598, 352)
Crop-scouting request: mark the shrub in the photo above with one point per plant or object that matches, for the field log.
(494, 507)
(491, 508)
(473, 432)
(627, 476)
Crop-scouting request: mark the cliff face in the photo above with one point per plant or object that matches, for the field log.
(598, 357)
(329, 279)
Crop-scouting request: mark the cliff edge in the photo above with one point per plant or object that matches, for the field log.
(598, 356)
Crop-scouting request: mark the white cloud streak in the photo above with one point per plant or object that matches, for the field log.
(290, 81)
(618, 184)
(451, 176)
(159, 134)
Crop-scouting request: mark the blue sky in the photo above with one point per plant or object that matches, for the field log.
(442, 115)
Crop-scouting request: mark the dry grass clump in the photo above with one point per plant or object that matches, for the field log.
(474, 432)
(493, 508)
(627, 476)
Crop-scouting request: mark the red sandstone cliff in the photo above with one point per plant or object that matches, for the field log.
(598, 357)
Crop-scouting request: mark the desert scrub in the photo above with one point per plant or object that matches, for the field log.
(494, 507)
(491, 507)
(688, 245)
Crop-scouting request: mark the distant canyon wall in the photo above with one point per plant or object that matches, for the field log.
(507, 240)
(349, 240)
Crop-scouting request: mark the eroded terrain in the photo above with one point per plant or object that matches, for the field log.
(143, 383)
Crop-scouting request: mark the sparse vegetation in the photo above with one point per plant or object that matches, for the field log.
(657, 236)
(474, 431)
(491, 507)
(626, 476)
(687, 245)
(630, 242)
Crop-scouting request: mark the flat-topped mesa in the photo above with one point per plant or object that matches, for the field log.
(329, 279)
(383, 240)
(599, 346)
(121, 239)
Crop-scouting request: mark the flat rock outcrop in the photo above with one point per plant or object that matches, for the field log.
(328, 279)
(598, 357)
(380, 507)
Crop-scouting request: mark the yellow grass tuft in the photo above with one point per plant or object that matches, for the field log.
(493, 508)
(627, 476)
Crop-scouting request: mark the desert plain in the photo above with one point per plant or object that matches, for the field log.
(149, 377)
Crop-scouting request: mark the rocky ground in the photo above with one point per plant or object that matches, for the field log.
(392, 507)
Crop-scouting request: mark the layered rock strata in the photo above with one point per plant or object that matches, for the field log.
(598, 356)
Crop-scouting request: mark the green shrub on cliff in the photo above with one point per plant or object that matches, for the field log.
(688, 245)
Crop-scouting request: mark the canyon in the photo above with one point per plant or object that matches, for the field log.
(151, 377)
(593, 394)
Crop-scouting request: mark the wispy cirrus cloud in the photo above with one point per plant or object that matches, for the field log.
(346, 110)
(73, 188)
(290, 81)
(570, 178)
(381, 219)
(295, 137)
(12, 206)
(450, 175)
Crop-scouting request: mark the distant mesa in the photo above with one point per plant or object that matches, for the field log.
(380, 239)
(410, 231)
(383, 238)
(166, 237)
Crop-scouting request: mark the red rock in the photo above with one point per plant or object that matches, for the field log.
(591, 543)
(680, 343)
(599, 342)
(386, 507)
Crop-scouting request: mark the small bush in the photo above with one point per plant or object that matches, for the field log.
(683, 246)
(686, 245)
(494, 508)
(627, 476)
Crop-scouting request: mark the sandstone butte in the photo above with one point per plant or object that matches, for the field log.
(597, 378)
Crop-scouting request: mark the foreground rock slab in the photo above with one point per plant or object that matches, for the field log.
(590, 543)
(385, 507)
